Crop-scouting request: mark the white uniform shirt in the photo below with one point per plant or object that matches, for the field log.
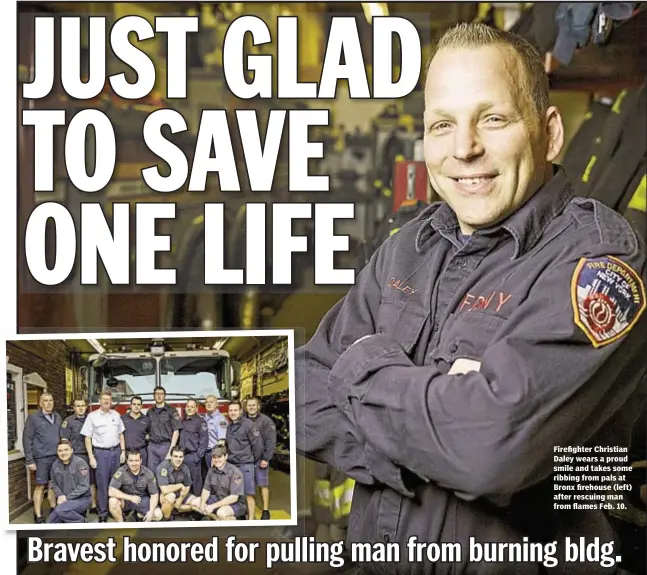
(104, 428)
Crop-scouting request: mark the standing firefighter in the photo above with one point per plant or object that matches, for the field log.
(503, 324)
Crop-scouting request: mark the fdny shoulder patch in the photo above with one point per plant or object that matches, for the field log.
(163, 472)
(117, 474)
(238, 479)
(64, 424)
(608, 298)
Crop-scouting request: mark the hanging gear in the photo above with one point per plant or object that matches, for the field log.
(333, 496)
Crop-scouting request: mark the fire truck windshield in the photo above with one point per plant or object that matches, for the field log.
(124, 377)
(182, 377)
(194, 376)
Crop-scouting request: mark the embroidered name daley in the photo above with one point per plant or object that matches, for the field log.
(399, 285)
(491, 302)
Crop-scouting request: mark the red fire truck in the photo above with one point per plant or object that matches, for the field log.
(184, 374)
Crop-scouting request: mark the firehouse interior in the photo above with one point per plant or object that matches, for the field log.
(595, 55)
(229, 368)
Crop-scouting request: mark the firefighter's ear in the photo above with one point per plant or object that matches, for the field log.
(554, 133)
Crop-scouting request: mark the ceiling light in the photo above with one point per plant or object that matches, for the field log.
(372, 9)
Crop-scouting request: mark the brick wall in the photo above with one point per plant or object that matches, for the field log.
(48, 359)
(17, 484)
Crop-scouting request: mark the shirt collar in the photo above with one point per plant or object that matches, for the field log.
(526, 225)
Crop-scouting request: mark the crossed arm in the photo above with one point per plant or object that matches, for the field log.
(370, 412)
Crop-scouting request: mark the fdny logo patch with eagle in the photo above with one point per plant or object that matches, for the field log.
(608, 298)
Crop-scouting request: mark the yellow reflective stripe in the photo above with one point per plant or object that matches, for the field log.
(589, 167)
(639, 199)
(483, 9)
(617, 105)
(393, 231)
(322, 495)
(342, 499)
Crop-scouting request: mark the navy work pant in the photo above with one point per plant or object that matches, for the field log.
(71, 511)
(194, 463)
(107, 465)
(157, 453)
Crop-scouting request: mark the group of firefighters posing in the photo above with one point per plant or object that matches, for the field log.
(154, 466)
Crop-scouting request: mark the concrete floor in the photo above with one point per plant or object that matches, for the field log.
(279, 502)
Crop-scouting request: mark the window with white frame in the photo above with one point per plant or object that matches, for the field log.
(16, 412)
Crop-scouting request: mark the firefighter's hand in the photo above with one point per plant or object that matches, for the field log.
(61, 499)
(263, 464)
(136, 499)
(168, 455)
(31, 467)
(122, 458)
(93, 461)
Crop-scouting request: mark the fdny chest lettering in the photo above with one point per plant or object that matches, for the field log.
(401, 286)
(492, 301)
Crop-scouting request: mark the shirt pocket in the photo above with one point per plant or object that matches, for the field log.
(402, 321)
(467, 335)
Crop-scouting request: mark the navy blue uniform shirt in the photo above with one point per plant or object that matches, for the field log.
(164, 421)
(71, 479)
(267, 428)
(41, 435)
(166, 474)
(194, 437)
(545, 309)
(244, 442)
(144, 484)
(136, 429)
(71, 429)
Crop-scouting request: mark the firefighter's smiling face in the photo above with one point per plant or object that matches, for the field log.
(190, 408)
(218, 461)
(134, 463)
(486, 148)
(64, 451)
(177, 458)
(234, 412)
(252, 407)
